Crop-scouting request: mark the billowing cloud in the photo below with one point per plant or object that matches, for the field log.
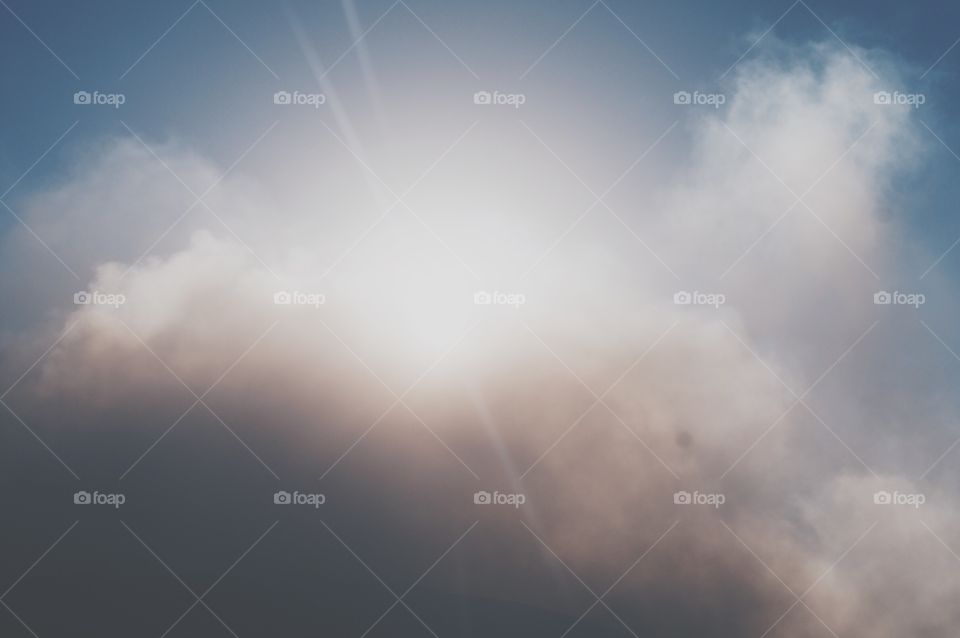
(599, 398)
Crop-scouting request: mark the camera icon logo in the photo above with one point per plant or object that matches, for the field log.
(882, 97)
(482, 498)
(682, 298)
(282, 498)
(282, 298)
(282, 97)
(82, 97)
(682, 498)
(682, 97)
(482, 97)
(882, 497)
(482, 298)
(81, 498)
(81, 298)
(882, 298)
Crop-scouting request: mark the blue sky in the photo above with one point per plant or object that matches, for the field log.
(197, 66)
(199, 71)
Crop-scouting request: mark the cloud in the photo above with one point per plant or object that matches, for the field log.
(706, 403)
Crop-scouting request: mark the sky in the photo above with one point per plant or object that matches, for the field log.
(422, 318)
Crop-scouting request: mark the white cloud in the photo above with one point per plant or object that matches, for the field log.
(698, 400)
